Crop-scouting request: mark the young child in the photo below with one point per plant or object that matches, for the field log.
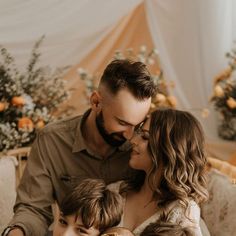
(162, 228)
(89, 210)
(117, 231)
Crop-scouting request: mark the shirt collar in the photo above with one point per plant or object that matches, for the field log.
(79, 143)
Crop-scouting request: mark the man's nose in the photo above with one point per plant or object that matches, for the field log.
(134, 139)
(129, 132)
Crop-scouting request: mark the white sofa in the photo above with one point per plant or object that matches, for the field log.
(7, 189)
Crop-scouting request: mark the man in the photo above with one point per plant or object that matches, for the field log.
(88, 146)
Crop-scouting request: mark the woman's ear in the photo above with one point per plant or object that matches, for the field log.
(95, 101)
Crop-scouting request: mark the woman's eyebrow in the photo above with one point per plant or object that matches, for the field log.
(145, 130)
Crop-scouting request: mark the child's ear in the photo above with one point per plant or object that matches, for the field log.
(95, 101)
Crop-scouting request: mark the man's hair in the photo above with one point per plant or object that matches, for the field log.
(134, 76)
(162, 228)
(96, 205)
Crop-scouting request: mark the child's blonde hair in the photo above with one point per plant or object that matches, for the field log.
(161, 228)
(117, 231)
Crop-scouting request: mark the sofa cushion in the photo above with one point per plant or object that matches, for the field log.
(7, 189)
(219, 211)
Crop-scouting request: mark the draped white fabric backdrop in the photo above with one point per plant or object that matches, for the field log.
(191, 36)
(72, 28)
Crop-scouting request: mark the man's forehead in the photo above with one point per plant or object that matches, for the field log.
(129, 108)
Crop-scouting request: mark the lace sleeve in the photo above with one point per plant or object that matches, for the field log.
(115, 186)
(189, 218)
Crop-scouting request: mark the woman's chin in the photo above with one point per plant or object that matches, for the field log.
(133, 162)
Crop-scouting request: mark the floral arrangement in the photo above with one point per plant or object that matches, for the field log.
(224, 98)
(27, 100)
(151, 59)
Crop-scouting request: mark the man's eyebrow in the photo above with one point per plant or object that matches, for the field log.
(82, 226)
(124, 121)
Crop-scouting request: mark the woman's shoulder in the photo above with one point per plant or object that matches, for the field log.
(179, 212)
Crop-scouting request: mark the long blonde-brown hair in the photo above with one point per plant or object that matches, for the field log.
(176, 146)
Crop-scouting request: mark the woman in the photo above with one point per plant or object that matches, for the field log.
(169, 151)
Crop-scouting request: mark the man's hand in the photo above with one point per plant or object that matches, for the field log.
(16, 232)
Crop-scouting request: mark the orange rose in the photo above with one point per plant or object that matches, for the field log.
(160, 98)
(25, 123)
(18, 101)
(172, 101)
(2, 106)
(40, 124)
(231, 102)
(158, 72)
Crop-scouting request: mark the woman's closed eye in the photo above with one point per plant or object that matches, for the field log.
(145, 136)
(143, 133)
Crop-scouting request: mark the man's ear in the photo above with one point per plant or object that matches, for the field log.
(95, 101)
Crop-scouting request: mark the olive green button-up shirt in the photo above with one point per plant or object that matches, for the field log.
(59, 160)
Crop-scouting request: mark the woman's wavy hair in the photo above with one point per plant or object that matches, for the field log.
(176, 146)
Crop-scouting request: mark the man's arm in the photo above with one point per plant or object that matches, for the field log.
(34, 195)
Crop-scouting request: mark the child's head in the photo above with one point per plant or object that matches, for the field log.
(117, 231)
(89, 209)
(162, 228)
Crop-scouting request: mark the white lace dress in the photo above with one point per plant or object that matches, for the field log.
(176, 215)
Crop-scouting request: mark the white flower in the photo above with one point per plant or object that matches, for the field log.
(143, 49)
(155, 51)
(150, 61)
(205, 113)
(29, 104)
(81, 71)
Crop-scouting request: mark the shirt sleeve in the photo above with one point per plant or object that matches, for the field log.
(35, 194)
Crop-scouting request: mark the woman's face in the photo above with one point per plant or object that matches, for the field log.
(72, 226)
(140, 158)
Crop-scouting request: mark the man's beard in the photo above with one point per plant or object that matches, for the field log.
(109, 138)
